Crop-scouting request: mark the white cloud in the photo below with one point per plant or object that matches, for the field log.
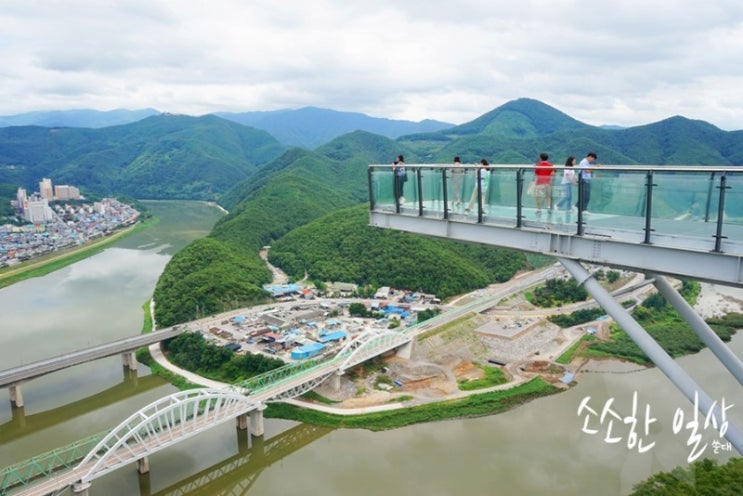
(626, 62)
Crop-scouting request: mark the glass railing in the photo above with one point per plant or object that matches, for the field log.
(649, 204)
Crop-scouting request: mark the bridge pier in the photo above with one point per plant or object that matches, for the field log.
(130, 360)
(257, 428)
(145, 484)
(143, 465)
(16, 395)
(81, 488)
(406, 350)
(335, 381)
(19, 416)
(242, 421)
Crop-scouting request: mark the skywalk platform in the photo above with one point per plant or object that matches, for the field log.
(678, 221)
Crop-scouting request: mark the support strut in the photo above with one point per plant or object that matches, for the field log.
(653, 350)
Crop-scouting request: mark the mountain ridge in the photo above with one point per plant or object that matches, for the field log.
(169, 156)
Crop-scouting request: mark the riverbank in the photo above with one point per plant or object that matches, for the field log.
(429, 382)
(47, 264)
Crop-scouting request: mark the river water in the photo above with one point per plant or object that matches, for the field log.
(537, 449)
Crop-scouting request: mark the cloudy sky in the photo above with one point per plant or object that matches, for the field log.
(624, 62)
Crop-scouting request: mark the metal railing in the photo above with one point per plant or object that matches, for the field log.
(647, 202)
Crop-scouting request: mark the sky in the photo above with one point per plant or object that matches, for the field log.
(621, 62)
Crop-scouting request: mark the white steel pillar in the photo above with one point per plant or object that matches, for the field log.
(700, 327)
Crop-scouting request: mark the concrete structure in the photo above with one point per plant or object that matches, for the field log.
(15, 377)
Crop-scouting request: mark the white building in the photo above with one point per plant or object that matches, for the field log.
(21, 198)
(382, 293)
(38, 211)
(46, 189)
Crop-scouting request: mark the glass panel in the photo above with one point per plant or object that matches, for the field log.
(614, 199)
(500, 200)
(733, 213)
(685, 202)
(432, 191)
(381, 186)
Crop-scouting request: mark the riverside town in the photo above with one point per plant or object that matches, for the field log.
(56, 218)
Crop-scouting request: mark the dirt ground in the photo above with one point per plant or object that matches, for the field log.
(513, 335)
(527, 345)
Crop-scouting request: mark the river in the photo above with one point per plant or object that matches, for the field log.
(536, 449)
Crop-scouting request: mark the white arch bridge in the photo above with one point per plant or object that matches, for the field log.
(185, 414)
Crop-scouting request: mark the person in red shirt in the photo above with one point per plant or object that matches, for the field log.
(543, 182)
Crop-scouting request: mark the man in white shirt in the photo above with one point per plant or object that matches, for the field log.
(585, 171)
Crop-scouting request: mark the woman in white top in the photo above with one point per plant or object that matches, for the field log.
(568, 179)
(483, 177)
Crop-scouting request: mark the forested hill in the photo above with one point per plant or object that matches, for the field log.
(341, 246)
(160, 157)
(518, 131)
(224, 271)
(176, 156)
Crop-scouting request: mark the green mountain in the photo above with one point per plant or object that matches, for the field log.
(296, 188)
(161, 157)
(7, 193)
(522, 118)
(518, 131)
(314, 188)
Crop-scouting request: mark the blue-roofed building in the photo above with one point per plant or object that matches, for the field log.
(326, 336)
(307, 351)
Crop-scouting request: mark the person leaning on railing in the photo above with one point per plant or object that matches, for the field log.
(400, 176)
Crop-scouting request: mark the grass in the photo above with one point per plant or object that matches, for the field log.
(476, 405)
(493, 377)
(400, 399)
(313, 396)
(571, 352)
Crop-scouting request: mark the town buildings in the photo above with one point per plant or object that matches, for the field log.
(58, 221)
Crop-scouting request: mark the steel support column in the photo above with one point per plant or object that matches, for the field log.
(700, 327)
(653, 350)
